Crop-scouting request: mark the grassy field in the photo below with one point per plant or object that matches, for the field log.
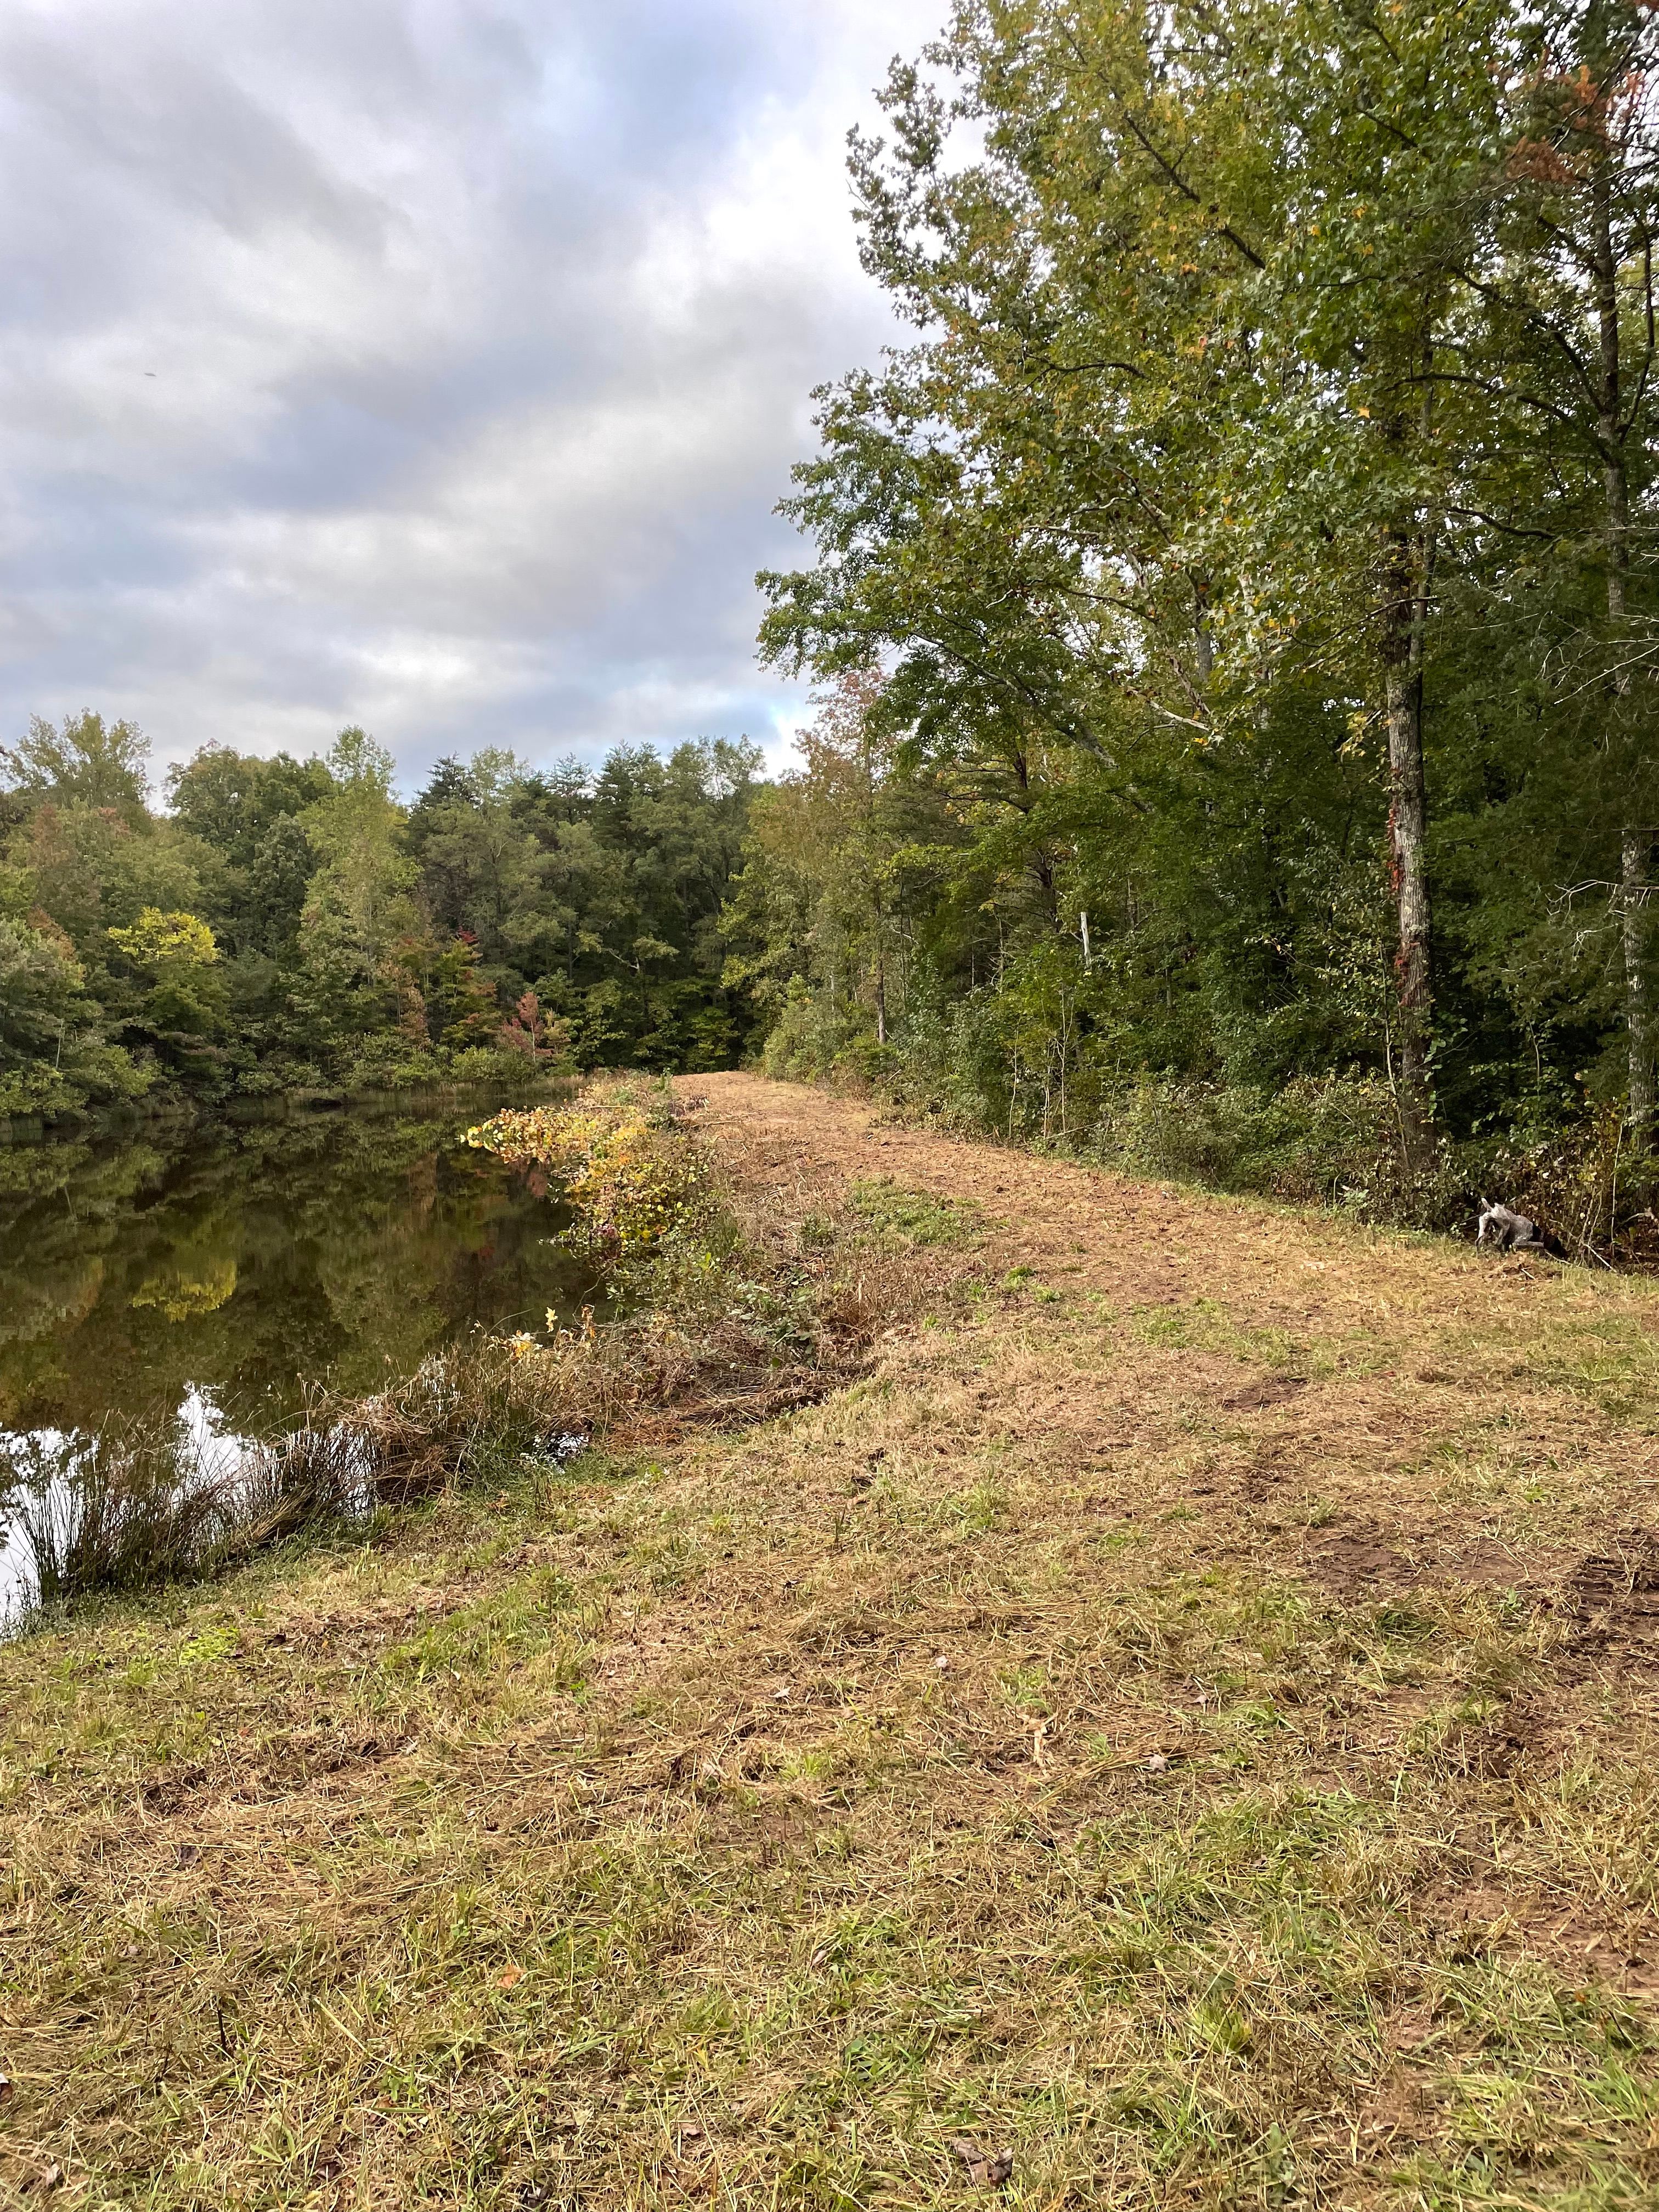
(1184, 1717)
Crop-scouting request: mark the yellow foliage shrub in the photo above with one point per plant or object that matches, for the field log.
(633, 1179)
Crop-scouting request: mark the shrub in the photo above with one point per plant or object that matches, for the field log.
(635, 1179)
(1333, 1140)
(812, 1039)
(501, 1067)
(394, 1062)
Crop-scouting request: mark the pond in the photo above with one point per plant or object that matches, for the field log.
(219, 1273)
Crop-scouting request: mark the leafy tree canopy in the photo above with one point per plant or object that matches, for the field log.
(291, 922)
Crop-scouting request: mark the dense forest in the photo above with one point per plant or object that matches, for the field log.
(1234, 620)
(1236, 606)
(284, 925)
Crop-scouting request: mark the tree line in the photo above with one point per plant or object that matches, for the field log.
(1235, 603)
(1233, 610)
(282, 924)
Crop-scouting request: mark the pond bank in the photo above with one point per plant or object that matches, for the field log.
(182, 1468)
(185, 1299)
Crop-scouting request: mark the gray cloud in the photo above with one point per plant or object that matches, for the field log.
(433, 364)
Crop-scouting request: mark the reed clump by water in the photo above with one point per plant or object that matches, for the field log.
(136, 1504)
(114, 1511)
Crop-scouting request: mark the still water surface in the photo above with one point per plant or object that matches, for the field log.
(216, 1272)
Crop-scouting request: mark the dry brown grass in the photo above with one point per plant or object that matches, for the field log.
(1276, 1829)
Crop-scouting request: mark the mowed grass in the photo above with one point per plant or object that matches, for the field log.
(1006, 1751)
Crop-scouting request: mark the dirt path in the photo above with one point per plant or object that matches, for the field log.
(1373, 1408)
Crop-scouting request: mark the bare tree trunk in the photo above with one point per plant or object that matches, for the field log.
(881, 1000)
(1634, 856)
(1403, 659)
(1634, 843)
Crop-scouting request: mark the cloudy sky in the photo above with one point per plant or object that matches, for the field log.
(430, 364)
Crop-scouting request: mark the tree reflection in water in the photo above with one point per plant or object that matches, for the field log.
(243, 1261)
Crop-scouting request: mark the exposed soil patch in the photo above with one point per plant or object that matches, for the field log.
(1613, 1597)
(1355, 1559)
(1622, 1583)
(1277, 1390)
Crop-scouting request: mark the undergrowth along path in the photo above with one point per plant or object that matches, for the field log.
(1184, 1717)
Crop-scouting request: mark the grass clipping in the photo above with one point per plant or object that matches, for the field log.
(722, 1309)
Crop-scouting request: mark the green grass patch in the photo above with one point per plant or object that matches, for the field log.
(915, 1217)
(1207, 1325)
